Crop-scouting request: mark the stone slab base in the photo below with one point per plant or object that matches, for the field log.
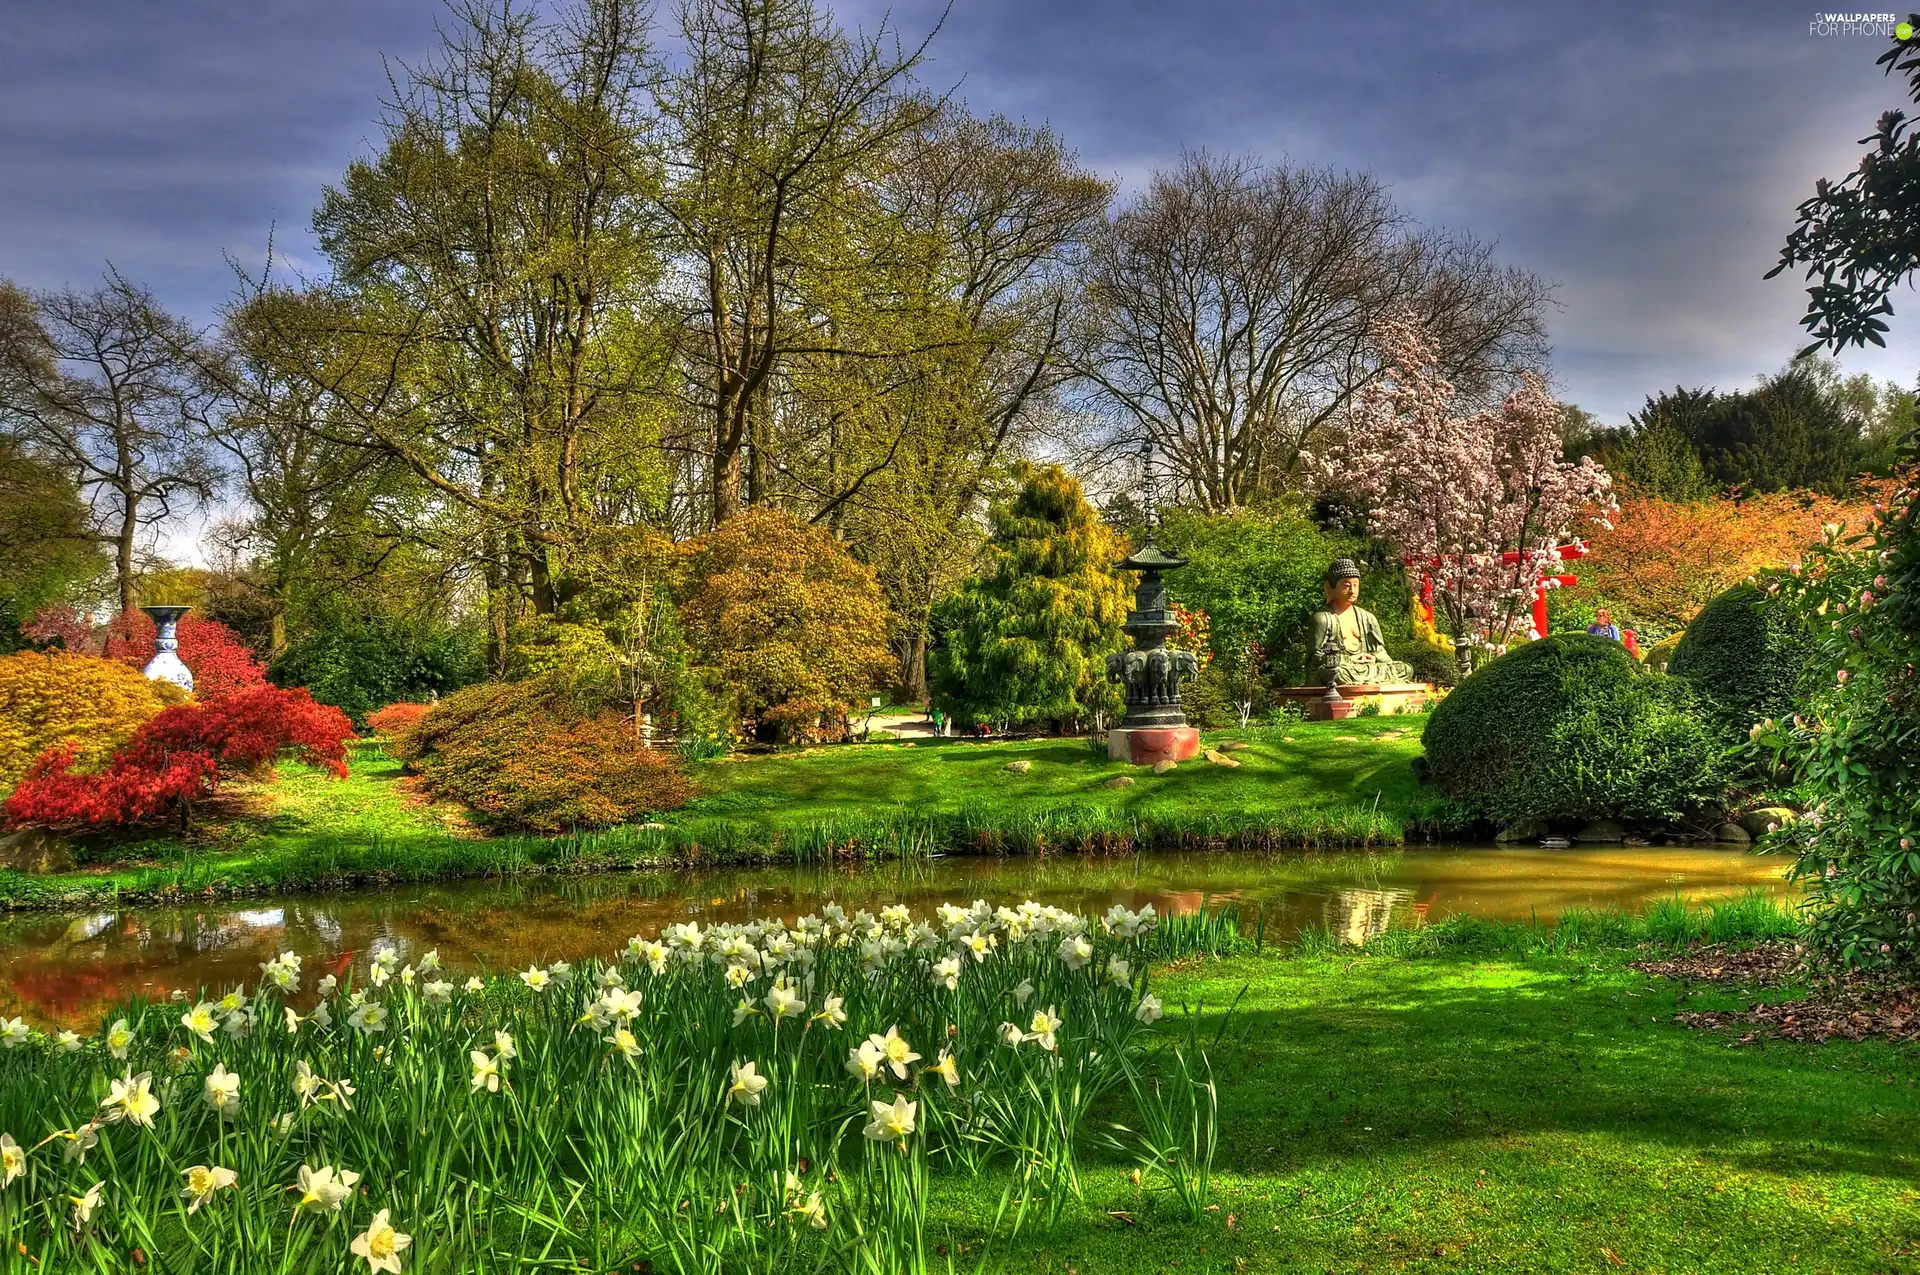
(1145, 747)
(1392, 697)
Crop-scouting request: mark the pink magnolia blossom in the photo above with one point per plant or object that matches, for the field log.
(1480, 503)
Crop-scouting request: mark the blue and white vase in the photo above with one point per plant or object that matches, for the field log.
(166, 665)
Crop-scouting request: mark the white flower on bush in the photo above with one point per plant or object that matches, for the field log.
(1119, 972)
(119, 1037)
(199, 1020)
(1148, 1011)
(486, 1070)
(132, 1098)
(1022, 992)
(323, 1190)
(536, 978)
(747, 1084)
(891, 1122)
(202, 1182)
(1011, 1035)
(67, 1042)
(438, 992)
(222, 1091)
(1075, 952)
(946, 972)
(368, 1018)
(1045, 1023)
(832, 1012)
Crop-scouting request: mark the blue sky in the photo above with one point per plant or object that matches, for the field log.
(1646, 157)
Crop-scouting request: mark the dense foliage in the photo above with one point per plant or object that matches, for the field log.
(1025, 642)
(44, 525)
(793, 629)
(220, 662)
(54, 699)
(1571, 728)
(359, 661)
(396, 718)
(1745, 655)
(540, 755)
(178, 757)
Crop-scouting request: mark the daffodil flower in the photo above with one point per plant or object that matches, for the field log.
(1075, 952)
(624, 1043)
(202, 1182)
(323, 1190)
(891, 1122)
(504, 1046)
(79, 1142)
(84, 1205)
(438, 992)
(119, 1036)
(947, 1070)
(13, 1160)
(1119, 972)
(812, 1211)
(895, 1049)
(67, 1042)
(473, 984)
(832, 1012)
(430, 963)
(1011, 1035)
(1045, 1023)
(783, 1002)
(946, 972)
(747, 1084)
(1148, 1011)
(865, 1060)
(381, 1245)
(1022, 992)
(370, 1017)
(222, 1092)
(132, 1098)
(486, 1070)
(200, 1021)
(536, 978)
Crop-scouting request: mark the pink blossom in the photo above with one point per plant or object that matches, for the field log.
(1842, 675)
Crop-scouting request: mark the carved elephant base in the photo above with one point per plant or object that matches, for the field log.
(1146, 747)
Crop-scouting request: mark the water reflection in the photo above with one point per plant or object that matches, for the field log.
(68, 971)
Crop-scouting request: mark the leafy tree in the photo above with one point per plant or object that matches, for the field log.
(50, 548)
(791, 627)
(1026, 641)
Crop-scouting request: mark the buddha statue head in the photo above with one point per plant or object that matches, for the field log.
(1341, 584)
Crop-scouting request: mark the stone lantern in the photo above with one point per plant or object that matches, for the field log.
(166, 665)
(1155, 726)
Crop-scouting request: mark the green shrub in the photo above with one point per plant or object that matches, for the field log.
(1661, 652)
(540, 756)
(1571, 727)
(1431, 661)
(1744, 656)
(360, 662)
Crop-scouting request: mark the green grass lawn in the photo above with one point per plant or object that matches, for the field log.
(1323, 783)
(1476, 1112)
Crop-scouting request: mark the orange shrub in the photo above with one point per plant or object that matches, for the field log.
(51, 699)
(396, 719)
(534, 755)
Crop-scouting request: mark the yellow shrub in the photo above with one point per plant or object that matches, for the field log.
(47, 699)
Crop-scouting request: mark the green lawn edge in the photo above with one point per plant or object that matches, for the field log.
(1309, 785)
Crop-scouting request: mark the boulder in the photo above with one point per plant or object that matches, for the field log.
(1219, 758)
(1523, 830)
(36, 850)
(1019, 767)
(1758, 823)
(1120, 781)
(1602, 832)
(1733, 834)
(1163, 766)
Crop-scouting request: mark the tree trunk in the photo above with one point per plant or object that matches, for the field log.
(913, 669)
(123, 551)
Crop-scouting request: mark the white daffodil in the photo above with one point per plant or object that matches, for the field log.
(747, 1084)
(321, 1017)
(13, 1160)
(624, 1043)
(13, 1032)
(1045, 1023)
(486, 1070)
(980, 944)
(1148, 1011)
(783, 1002)
(202, 1182)
(132, 1098)
(865, 1060)
(1119, 973)
(222, 1092)
(324, 1189)
(738, 976)
(1024, 990)
(386, 958)
(947, 1070)
(238, 1023)
(430, 963)
(536, 978)
(812, 1210)
(119, 1036)
(407, 975)
(327, 985)
(832, 1012)
(84, 1205)
(233, 1001)
(620, 1004)
(560, 972)
(655, 955)
(946, 972)
(891, 1122)
(609, 976)
(743, 1011)
(293, 1021)
(438, 992)
(79, 1142)
(200, 1021)
(895, 1049)
(504, 1046)
(1011, 1035)
(1075, 952)
(281, 1124)
(474, 984)
(381, 1245)
(67, 1042)
(305, 1084)
(370, 1017)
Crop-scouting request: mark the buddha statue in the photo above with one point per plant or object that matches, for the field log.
(1348, 647)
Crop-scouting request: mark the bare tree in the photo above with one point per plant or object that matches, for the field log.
(97, 383)
(1228, 310)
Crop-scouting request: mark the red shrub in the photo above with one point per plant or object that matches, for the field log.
(222, 664)
(179, 755)
(395, 718)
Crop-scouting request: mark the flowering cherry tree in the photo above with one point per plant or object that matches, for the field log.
(1479, 503)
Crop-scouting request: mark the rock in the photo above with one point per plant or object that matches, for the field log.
(1164, 765)
(1237, 746)
(1758, 823)
(1219, 758)
(1019, 767)
(1602, 831)
(36, 850)
(1120, 781)
(1732, 833)
(1522, 830)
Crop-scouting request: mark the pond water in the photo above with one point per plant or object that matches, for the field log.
(63, 970)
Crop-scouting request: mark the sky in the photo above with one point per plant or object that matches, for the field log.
(1646, 158)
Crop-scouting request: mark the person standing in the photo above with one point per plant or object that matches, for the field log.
(1603, 625)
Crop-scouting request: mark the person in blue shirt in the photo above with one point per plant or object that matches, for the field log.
(1603, 625)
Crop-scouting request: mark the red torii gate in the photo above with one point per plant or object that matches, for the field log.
(1578, 549)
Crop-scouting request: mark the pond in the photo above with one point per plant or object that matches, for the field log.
(66, 971)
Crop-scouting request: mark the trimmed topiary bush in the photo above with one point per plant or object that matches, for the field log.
(1661, 652)
(540, 756)
(1745, 656)
(1572, 727)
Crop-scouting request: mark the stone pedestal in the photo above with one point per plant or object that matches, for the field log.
(1145, 746)
(1392, 697)
(166, 664)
